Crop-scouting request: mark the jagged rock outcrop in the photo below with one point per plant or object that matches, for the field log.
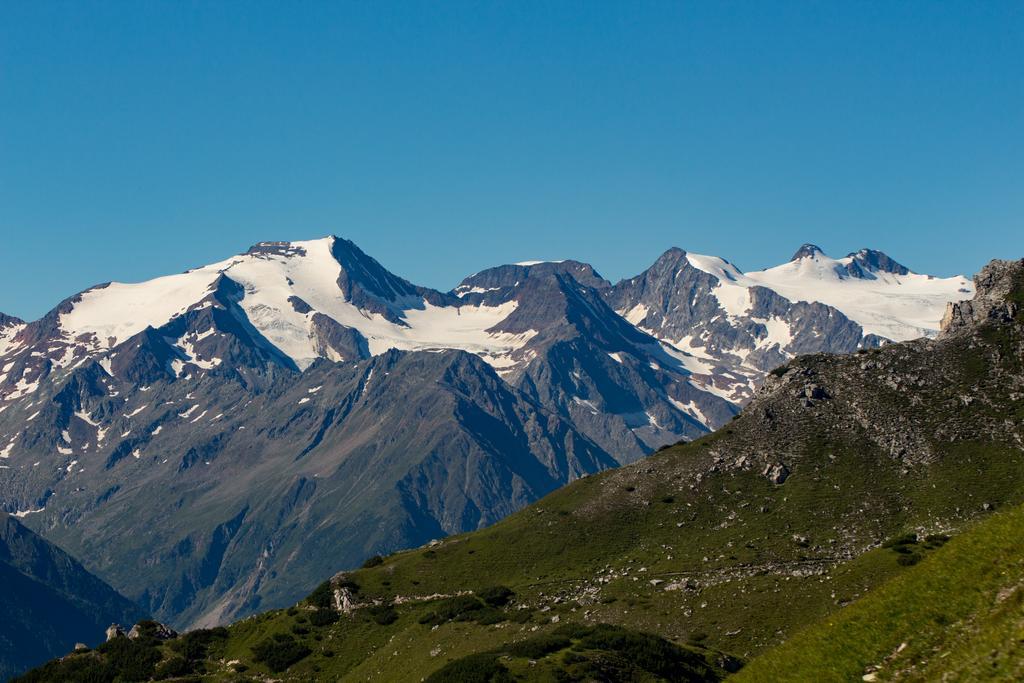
(1000, 297)
(150, 629)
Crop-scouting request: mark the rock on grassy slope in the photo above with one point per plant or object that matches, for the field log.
(731, 543)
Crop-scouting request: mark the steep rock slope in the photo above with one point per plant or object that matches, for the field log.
(50, 601)
(203, 498)
(617, 384)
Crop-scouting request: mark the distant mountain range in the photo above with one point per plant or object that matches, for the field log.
(216, 442)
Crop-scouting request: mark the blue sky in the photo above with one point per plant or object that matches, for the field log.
(142, 138)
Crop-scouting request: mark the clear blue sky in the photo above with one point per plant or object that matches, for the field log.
(142, 138)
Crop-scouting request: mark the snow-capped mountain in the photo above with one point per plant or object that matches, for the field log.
(744, 324)
(208, 423)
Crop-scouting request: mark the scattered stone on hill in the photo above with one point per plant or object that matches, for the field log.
(114, 631)
(777, 473)
(152, 628)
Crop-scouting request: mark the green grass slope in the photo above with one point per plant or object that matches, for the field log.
(957, 615)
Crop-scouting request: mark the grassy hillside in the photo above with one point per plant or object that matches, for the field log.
(957, 615)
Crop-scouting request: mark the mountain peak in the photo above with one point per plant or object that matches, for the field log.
(877, 261)
(807, 250)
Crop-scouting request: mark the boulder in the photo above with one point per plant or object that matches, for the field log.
(153, 629)
(777, 473)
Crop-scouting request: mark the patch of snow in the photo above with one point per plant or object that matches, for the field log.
(85, 417)
(692, 410)
(189, 411)
(586, 403)
(779, 333)
(636, 314)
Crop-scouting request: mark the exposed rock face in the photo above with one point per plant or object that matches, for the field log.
(866, 262)
(743, 330)
(368, 457)
(1000, 296)
(806, 250)
(151, 629)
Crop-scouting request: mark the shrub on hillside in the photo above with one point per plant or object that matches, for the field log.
(373, 561)
(539, 646)
(496, 596)
(175, 667)
(383, 614)
(459, 608)
(322, 596)
(322, 617)
(279, 652)
(134, 660)
(478, 668)
(195, 645)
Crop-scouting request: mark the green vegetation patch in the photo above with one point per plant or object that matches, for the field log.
(948, 612)
(575, 652)
(280, 651)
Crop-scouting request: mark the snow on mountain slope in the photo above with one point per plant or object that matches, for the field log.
(272, 282)
(745, 324)
(283, 289)
(112, 313)
(896, 304)
(9, 327)
(325, 298)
